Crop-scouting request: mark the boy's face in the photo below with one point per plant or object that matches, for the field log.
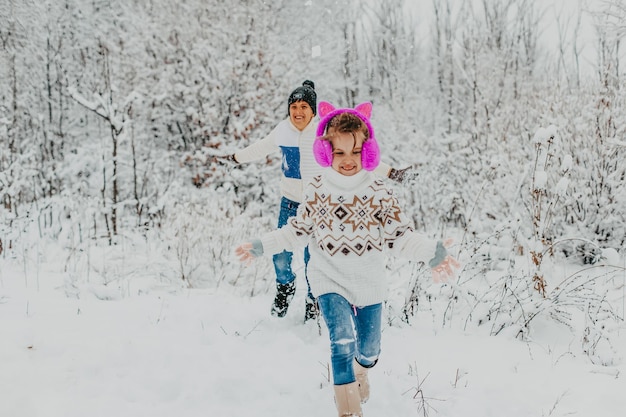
(300, 114)
(347, 152)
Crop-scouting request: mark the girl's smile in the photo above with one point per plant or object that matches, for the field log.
(347, 152)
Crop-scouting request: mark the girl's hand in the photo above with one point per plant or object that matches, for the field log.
(445, 270)
(244, 253)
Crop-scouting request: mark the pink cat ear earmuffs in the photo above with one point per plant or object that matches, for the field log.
(322, 149)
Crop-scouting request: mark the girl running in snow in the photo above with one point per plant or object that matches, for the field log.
(349, 218)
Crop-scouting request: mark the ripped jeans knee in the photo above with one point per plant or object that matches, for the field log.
(354, 334)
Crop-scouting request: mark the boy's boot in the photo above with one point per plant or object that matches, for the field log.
(311, 310)
(364, 383)
(348, 400)
(284, 295)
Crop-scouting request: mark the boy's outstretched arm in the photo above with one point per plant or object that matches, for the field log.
(254, 152)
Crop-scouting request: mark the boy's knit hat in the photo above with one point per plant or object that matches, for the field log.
(306, 92)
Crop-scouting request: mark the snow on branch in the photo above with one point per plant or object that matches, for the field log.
(100, 107)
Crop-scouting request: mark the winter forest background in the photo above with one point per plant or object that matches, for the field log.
(111, 113)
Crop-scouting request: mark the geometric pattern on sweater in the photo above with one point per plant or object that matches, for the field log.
(353, 225)
(345, 246)
(362, 213)
(323, 210)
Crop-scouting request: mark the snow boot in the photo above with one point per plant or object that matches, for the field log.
(360, 372)
(311, 310)
(284, 295)
(347, 400)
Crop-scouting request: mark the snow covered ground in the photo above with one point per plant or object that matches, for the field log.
(169, 351)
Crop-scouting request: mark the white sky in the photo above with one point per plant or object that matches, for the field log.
(554, 13)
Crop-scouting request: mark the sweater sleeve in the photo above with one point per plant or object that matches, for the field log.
(400, 237)
(258, 150)
(295, 234)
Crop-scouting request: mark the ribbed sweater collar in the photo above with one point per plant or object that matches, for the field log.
(345, 183)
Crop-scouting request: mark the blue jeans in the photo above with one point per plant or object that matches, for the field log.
(282, 261)
(354, 334)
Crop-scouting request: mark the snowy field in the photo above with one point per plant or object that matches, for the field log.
(167, 351)
(113, 117)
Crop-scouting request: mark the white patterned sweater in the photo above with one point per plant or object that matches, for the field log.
(348, 222)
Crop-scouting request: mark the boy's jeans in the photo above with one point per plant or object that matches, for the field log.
(342, 319)
(282, 261)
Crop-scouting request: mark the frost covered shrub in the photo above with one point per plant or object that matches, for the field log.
(596, 209)
(508, 248)
(200, 237)
(240, 202)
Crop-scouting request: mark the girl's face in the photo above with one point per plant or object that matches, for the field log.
(300, 114)
(347, 152)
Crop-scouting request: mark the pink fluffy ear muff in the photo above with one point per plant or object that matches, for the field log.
(322, 149)
(323, 152)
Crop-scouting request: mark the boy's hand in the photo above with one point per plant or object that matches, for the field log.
(244, 253)
(404, 175)
(443, 272)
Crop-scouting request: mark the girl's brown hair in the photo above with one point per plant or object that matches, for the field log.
(348, 123)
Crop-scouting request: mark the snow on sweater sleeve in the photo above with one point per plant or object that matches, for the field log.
(258, 150)
(400, 237)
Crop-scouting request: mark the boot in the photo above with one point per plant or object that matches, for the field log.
(347, 400)
(284, 295)
(311, 310)
(360, 373)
